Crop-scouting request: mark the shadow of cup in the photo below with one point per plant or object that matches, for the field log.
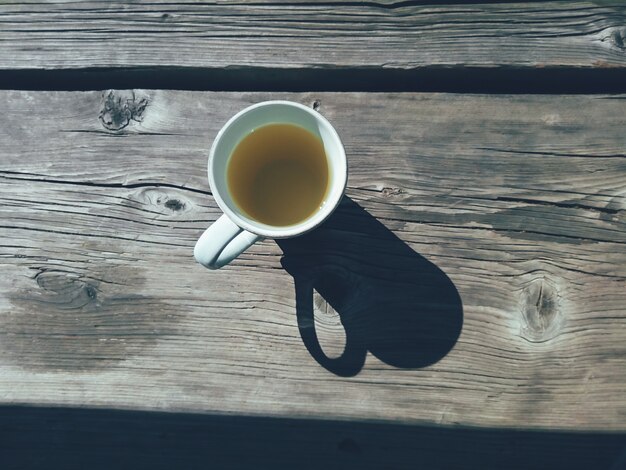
(391, 301)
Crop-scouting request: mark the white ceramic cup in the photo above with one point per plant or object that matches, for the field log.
(234, 231)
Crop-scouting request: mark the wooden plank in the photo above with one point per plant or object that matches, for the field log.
(304, 35)
(478, 264)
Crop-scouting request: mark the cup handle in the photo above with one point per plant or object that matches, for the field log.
(222, 242)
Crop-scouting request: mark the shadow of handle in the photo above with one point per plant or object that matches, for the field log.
(351, 360)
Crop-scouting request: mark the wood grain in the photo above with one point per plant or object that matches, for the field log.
(496, 222)
(304, 35)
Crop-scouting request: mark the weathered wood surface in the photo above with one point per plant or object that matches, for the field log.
(301, 35)
(479, 261)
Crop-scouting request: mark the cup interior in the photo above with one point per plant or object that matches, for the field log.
(276, 112)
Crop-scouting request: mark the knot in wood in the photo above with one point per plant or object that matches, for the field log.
(541, 316)
(120, 107)
(65, 291)
(618, 37)
(389, 192)
(166, 201)
(174, 205)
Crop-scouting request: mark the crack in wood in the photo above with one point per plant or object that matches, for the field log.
(324, 78)
(565, 205)
(554, 154)
(45, 179)
(92, 235)
(529, 232)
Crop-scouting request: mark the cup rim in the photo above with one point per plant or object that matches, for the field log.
(266, 230)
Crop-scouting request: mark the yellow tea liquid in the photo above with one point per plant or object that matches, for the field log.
(278, 174)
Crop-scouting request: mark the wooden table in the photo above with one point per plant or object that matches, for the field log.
(464, 308)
